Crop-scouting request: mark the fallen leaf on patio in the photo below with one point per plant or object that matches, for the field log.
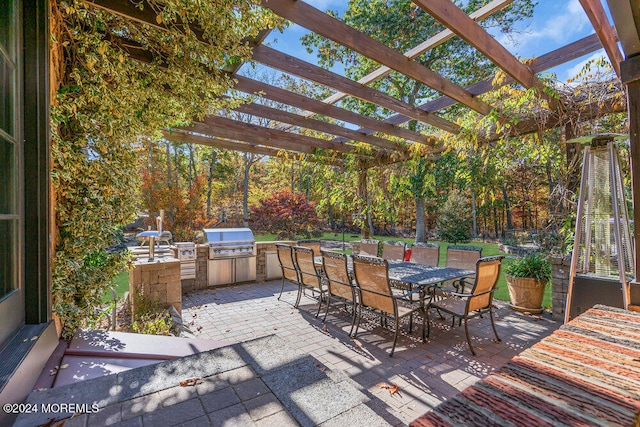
(25, 340)
(198, 328)
(239, 292)
(323, 369)
(228, 330)
(536, 318)
(52, 372)
(33, 338)
(393, 388)
(495, 341)
(194, 315)
(325, 329)
(191, 382)
(429, 356)
(65, 366)
(480, 348)
(198, 307)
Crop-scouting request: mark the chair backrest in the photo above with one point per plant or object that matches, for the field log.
(464, 257)
(369, 247)
(336, 270)
(304, 258)
(285, 256)
(372, 277)
(394, 251)
(425, 253)
(313, 244)
(487, 274)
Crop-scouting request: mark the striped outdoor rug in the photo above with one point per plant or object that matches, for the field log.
(587, 373)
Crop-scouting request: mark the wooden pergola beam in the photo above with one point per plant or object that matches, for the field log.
(283, 116)
(243, 129)
(277, 94)
(549, 60)
(287, 63)
(319, 22)
(454, 18)
(482, 13)
(606, 33)
(226, 144)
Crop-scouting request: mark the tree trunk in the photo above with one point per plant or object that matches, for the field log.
(421, 234)
(507, 207)
(495, 220)
(362, 199)
(248, 162)
(212, 163)
(474, 212)
(331, 221)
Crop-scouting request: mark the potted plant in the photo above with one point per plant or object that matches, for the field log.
(527, 278)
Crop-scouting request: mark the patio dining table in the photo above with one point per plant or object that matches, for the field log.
(410, 275)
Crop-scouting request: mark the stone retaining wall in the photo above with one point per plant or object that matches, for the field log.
(560, 268)
(159, 281)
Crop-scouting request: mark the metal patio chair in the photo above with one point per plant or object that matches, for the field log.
(287, 264)
(340, 284)
(425, 254)
(474, 303)
(393, 251)
(464, 257)
(369, 247)
(310, 277)
(372, 277)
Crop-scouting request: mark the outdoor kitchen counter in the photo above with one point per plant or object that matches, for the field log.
(158, 280)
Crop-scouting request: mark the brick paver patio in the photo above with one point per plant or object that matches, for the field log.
(426, 374)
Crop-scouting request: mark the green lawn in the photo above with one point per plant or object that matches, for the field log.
(120, 284)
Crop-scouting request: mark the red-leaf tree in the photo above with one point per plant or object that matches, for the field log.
(286, 214)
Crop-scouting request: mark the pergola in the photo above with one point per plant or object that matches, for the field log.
(233, 134)
(382, 135)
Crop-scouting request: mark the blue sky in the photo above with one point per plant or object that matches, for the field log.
(555, 24)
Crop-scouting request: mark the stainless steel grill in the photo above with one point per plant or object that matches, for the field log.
(232, 255)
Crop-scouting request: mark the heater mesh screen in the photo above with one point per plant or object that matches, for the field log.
(602, 208)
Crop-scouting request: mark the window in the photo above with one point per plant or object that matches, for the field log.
(11, 219)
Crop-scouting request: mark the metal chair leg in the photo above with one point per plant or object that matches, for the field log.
(395, 338)
(281, 288)
(353, 318)
(326, 311)
(319, 304)
(359, 308)
(299, 296)
(494, 326)
(466, 331)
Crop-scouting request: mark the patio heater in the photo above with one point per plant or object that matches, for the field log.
(602, 262)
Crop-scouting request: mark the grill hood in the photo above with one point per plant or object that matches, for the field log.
(217, 236)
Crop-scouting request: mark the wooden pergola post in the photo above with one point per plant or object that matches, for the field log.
(630, 76)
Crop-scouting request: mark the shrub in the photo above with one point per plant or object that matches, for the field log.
(149, 317)
(454, 220)
(286, 214)
(533, 265)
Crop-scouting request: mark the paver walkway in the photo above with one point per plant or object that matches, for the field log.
(289, 368)
(426, 374)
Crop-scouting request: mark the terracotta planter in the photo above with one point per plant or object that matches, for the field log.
(526, 293)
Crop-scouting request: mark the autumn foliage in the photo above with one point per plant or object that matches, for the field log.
(288, 214)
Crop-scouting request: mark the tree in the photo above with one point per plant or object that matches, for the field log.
(402, 25)
(454, 219)
(286, 214)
